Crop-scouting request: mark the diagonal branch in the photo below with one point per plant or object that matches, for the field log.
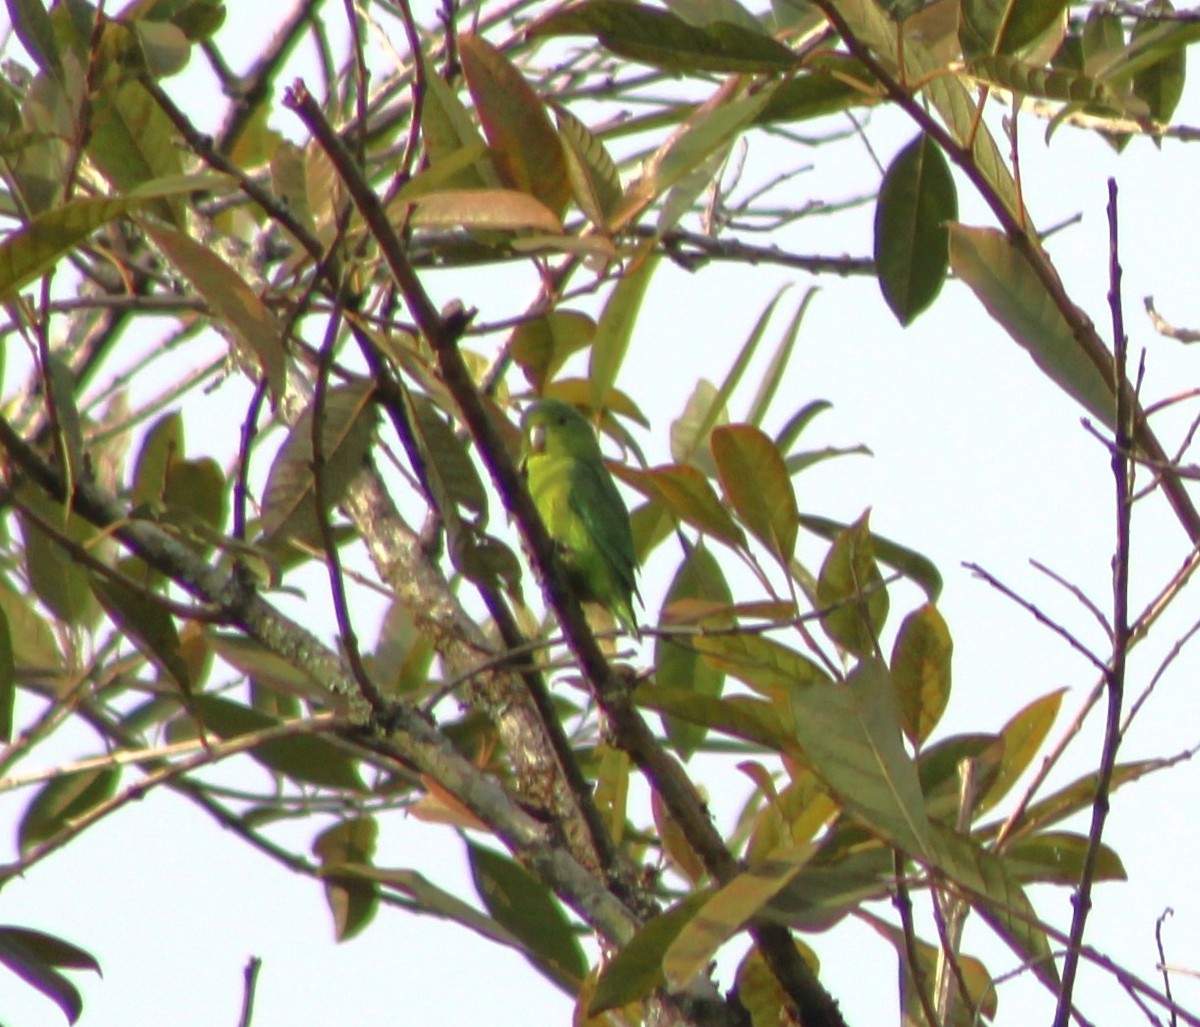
(611, 688)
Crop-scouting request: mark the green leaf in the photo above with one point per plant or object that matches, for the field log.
(851, 736)
(911, 564)
(63, 799)
(147, 623)
(35, 648)
(1058, 857)
(758, 486)
(35, 249)
(34, 29)
(595, 181)
(541, 345)
(525, 147)
(981, 989)
(353, 900)
(305, 758)
(916, 201)
(486, 209)
(1103, 41)
(524, 906)
(1003, 904)
(447, 456)
(754, 720)
(708, 130)
(450, 135)
(686, 494)
(1007, 286)
(725, 912)
(1079, 795)
(161, 447)
(58, 581)
(850, 591)
(679, 665)
(1159, 85)
(486, 560)
(1059, 84)
(827, 87)
(1145, 49)
(133, 142)
(663, 39)
(773, 375)
(69, 442)
(940, 768)
(196, 496)
(254, 326)
(636, 969)
(771, 668)
(1022, 738)
(691, 432)
(8, 679)
(615, 329)
(263, 666)
(290, 497)
(838, 883)
(1005, 26)
(921, 671)
(949, 94)
(613, 767)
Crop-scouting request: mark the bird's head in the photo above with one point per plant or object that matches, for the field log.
(553, 428)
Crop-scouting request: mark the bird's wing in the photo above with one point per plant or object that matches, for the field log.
(597, 503)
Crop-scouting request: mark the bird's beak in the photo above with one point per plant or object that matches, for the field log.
(537, 439)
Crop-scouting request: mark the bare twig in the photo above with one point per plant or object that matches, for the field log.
(1123, 469)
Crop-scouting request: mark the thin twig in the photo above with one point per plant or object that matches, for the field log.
(1123, 469)
(250, 979)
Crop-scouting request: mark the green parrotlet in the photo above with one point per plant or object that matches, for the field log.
(581, 507)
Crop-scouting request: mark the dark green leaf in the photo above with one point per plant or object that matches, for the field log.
(290, 497)
(306, 758)
(63, 799)
(1160, 84)
(665, 40)
(353, 900)
(36, 32)
(916, 201)
(677, 664)
(636, 969)
(1005, 26)
(8, 679)
(911, 564)
(526, 907)
(44, 978)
